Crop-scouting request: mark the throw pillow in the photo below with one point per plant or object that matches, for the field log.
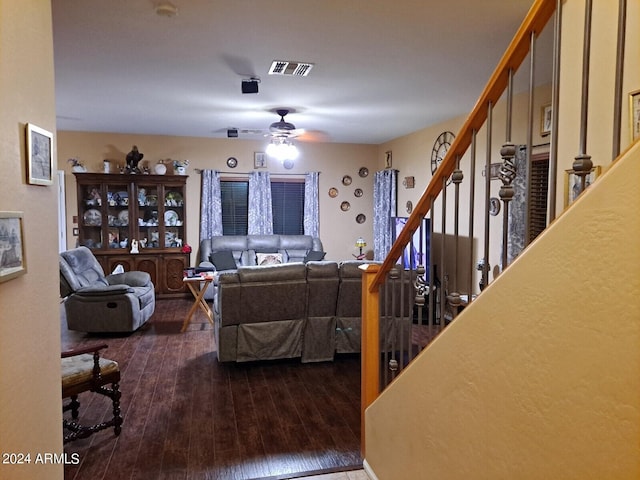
(314, 256)
(223, 260)
(268, 258)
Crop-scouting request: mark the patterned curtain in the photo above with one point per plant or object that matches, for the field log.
(210, 205)
(384, 207)
(260, 207)
(518, 206)
(311, 205)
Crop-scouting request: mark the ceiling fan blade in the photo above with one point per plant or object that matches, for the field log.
(313, 136)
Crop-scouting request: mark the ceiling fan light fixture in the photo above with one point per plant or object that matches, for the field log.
(282, 149)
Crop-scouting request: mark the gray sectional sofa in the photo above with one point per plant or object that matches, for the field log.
(301, 308)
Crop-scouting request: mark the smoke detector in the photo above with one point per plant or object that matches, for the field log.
(166, 9)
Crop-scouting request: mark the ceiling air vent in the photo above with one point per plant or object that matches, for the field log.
(295, 69)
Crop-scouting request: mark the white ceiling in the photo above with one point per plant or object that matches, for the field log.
(383, 68)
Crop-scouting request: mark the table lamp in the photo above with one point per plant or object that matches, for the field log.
(360, 243)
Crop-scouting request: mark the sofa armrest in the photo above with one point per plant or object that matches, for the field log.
(103, 291)
(133, 279)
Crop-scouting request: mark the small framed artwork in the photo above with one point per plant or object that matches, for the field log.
(12, 261)
(39, 156)
(545, 120)
(634, 115)
(259, 160)
(572, 183)
(494, 171)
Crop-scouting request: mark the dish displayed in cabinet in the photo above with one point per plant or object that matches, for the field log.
(123, 218)
(171, 218)
(92, 218)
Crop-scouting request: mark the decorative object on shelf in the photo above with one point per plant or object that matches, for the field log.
(409, 182)
(388, 159)
(39, 156)
(186, 248)
(106, 166)
(361, 218)
(360, 243)
(160, 168)
(333, 192)
(232, 162)
(171, 218)
(494, 206)
(409, 206)
(344, 206)
(134, 246)
(12, 260)
(357, 192)
(545, 120)
(440, 149)
(180, 166)
(346, 180)
(133, 159)
(76, 165)
(363, 172)
(173, 199)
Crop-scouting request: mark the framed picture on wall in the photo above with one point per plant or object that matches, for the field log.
(39, 156)
(259, 160)
(634, 115)
(545, 120)
(12, 263)
(572, 183)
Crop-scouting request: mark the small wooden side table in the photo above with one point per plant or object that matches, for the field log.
(198, 286)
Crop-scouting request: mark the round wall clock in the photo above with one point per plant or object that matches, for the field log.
(232, 162)
(440, 148)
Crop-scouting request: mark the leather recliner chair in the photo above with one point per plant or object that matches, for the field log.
(97, 303)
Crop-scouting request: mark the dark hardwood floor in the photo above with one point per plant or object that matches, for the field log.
(186, 416)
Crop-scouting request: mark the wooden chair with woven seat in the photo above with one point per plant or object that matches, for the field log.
(83, 370)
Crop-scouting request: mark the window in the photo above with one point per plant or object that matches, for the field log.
(288, 207)
(539, 171)
(235, 203)
(287, 199)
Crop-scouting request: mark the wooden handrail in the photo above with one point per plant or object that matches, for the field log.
(536, 19)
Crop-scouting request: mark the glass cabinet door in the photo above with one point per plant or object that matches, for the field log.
(173, 216)
(148, 216)
(90, 215)
(117, 205)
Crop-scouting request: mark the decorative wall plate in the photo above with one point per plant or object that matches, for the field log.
(344, 206)
(232, 162)
(346, 180)
(361, 218)
(409, 206)
(357, 192)
(333, 192)
(363, 172)
(288, 164)
(494, 206)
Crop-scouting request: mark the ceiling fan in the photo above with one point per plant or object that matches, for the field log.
(282, 128)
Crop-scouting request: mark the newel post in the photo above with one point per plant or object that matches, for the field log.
(370, 338)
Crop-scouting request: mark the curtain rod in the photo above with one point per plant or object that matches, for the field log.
(200, 170)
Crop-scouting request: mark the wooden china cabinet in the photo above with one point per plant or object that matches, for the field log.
(116, 209)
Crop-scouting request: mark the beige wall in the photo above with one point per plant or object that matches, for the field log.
(338, 229)
(30, 403)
